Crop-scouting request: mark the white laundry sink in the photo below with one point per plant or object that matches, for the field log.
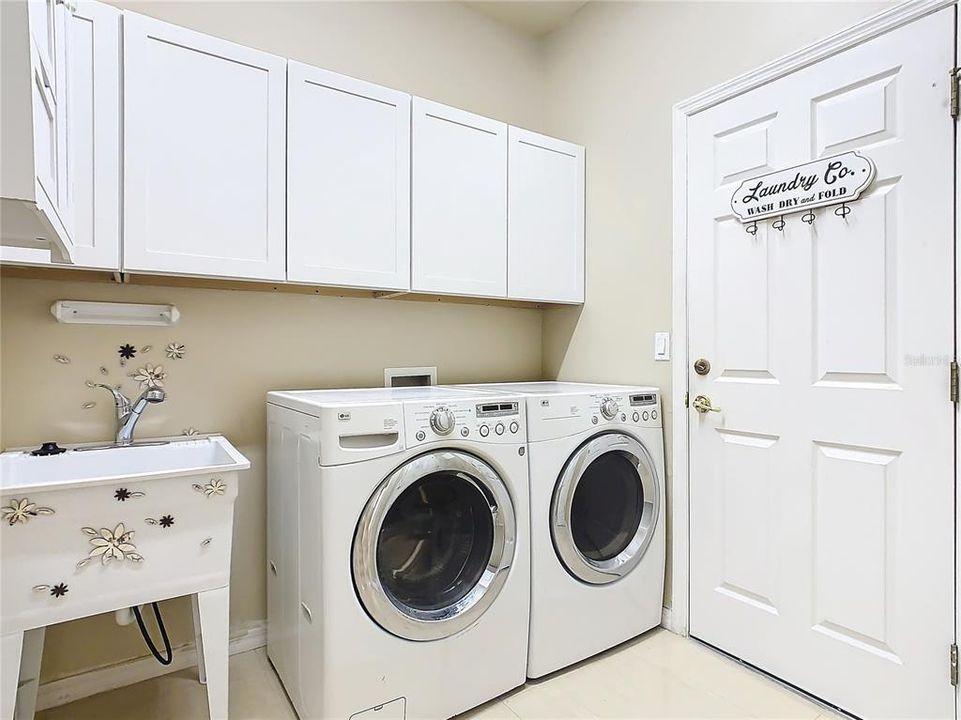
(96, 529)
(115, 526)
(20, 471)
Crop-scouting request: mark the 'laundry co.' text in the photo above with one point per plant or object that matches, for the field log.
(828, 181)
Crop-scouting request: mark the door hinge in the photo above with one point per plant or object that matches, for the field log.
(955, 74)
(954, 665)
(954, 381)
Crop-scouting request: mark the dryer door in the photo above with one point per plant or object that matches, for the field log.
(604, 508)
(433, 545)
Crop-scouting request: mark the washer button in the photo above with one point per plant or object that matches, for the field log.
(653, 414)
(636, 417)
(623, 417)
(646, 415)
(594, 419)
(464, 431)
(484, 431)
(499, 428)
(514, 427)
(420, 435)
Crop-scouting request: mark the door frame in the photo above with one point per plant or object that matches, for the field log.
(677, 618)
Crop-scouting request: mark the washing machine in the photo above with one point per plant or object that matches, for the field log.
(398, 556)
(596, 457)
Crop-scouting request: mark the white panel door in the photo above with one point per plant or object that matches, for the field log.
(204, 154)
(459, 202)
(348, 181)
(92, 108)
(822, 511)
(545, 218)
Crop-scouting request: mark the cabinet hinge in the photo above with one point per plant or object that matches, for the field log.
(954, 381)
(954, 665)
(955, 74)
(686, 396)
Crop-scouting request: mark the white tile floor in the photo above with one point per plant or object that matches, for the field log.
(658, 675)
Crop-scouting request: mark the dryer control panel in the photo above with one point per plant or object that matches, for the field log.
(573, 413)
(488, 420)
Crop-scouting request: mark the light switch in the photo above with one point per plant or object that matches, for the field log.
(662, 346)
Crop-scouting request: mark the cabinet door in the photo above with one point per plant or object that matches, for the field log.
(459, 202)
(204, 154)
(348, 181)
(48, 45)
(92, 109)
(545, 219)
(93, 133)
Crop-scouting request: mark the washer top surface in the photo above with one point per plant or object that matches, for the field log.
(559, 388)
(368, 396)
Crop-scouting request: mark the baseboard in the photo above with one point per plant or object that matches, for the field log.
(111, 677)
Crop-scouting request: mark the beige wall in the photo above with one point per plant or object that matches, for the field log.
(613, 74)
(242, 344)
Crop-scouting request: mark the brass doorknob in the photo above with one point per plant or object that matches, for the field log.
(702, 403)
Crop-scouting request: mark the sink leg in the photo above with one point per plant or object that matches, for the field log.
(214, 610)
(29, 683)
(11, 646)
(198, 639)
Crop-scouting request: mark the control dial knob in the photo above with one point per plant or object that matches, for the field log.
(609, 408)
(442, 421)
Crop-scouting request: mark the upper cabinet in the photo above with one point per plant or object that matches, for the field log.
(459, 202)
(92, 107)
(133, 145)
(33, 175)
(348, 181)
(545, 236)
(204, 154)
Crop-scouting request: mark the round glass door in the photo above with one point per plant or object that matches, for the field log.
(604, 508)
(433, 545)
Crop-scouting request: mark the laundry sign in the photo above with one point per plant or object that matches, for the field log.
(827, 181)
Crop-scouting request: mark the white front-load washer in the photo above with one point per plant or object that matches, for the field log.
(596, 457)
(398, 557)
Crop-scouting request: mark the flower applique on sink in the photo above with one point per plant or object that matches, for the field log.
(20, 511)
(214, 487)
(111, 545)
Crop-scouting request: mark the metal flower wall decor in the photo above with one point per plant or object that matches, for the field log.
(149, 376)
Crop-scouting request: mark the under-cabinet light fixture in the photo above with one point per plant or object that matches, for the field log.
(109, 313)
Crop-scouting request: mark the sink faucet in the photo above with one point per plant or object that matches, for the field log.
(129, 413)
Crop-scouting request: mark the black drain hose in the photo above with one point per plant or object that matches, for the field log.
(163, 633)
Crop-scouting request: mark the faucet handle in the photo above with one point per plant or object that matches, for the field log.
(120, 400)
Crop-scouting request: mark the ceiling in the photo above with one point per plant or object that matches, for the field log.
(535, 18)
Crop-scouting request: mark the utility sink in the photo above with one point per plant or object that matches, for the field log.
(102, 528)
(90, 466)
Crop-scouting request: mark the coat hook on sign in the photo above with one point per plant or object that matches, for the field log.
(808, 217)
(842, 211)
(778, 224)
(752, 228)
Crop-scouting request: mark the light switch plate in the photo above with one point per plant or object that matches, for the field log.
(662, 346)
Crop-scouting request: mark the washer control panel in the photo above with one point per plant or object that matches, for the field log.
(495, 420)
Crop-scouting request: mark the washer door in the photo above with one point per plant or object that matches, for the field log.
(433, 545)
(604, 508)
